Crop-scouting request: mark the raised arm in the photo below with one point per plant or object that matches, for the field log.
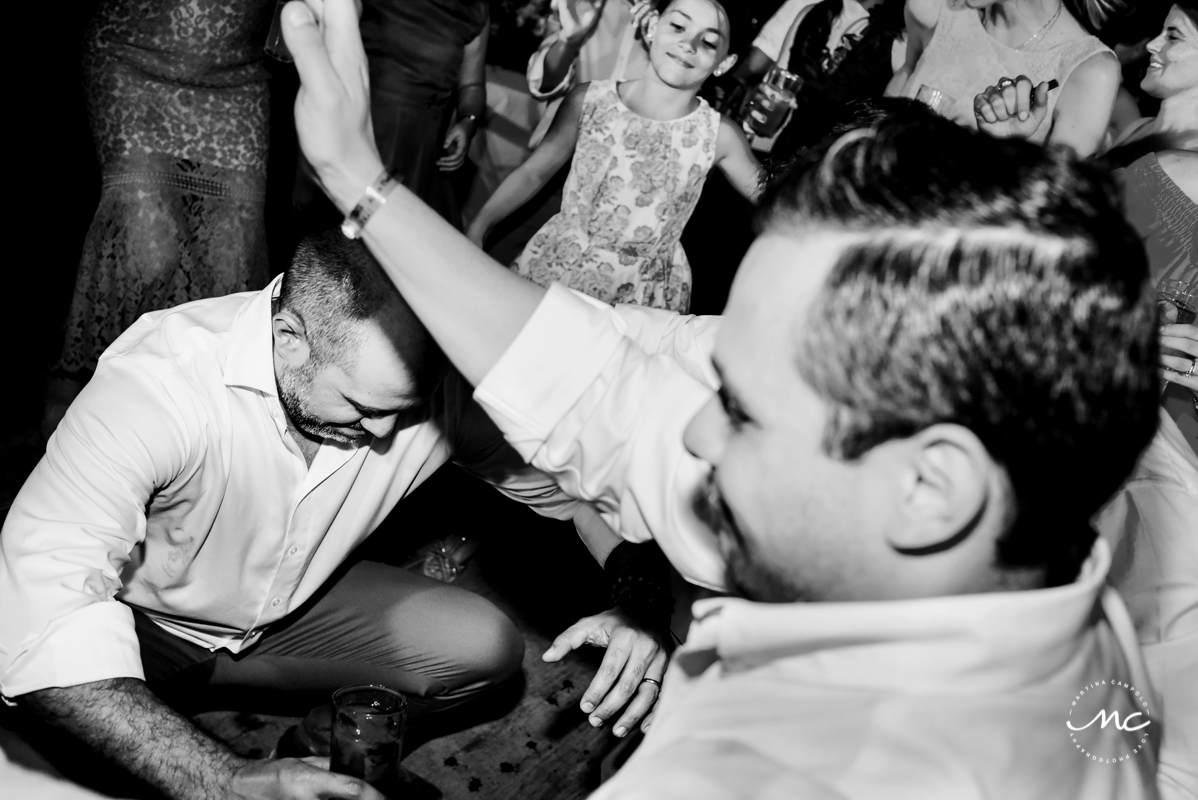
(735, 159)
(530, 177)
(921, 17)
(471, 305)
(1087, 101)
(1013, 107)
(551, 68)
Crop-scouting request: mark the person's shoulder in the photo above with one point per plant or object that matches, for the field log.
(1096, 72)
(188, 325)
(187, 350)
(727, 127)
(925, 13)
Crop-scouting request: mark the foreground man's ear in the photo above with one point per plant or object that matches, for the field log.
(946, 491)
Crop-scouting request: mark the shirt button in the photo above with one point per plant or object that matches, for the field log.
(276, 601)
(293, 551)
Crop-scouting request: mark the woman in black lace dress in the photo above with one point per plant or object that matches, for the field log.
(177, 101)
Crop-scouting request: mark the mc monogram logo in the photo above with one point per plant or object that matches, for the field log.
(1116, 704)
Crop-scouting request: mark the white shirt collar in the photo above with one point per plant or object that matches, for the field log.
(978, 642)
(250, 362)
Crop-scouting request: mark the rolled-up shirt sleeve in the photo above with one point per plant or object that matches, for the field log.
(479, 448)
(74, 526)
(581, 400)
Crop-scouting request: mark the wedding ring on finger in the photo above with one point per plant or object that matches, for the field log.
(1189, 374)
(1005, 82)
(653, 681)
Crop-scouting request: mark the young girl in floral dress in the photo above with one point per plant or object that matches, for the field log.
(642, 150)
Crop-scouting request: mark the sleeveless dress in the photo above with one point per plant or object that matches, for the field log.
(177, 100)
(962, 59)
(414, 50)
(1164, 217)
(632, 186)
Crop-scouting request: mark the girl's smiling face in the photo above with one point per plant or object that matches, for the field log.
(1173, 66)
(690, 41)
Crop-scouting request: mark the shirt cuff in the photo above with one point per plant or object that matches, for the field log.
(558, 354)
(536, 74)
(94, 643)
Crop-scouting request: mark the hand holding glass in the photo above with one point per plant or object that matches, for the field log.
(368, 725)
(772, 102)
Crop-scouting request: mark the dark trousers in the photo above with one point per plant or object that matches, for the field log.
(372, 623)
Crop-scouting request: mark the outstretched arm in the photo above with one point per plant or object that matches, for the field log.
(531, 176)
(1087, 101)
(736, 160)
(921, 17)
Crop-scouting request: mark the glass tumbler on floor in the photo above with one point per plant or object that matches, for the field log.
(368, 726)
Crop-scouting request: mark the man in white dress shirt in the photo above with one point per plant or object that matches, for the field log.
(189, 524)
(938, 361)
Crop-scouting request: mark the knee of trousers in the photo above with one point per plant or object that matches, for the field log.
(487, 650)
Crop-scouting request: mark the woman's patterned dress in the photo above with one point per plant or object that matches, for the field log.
(633, 184)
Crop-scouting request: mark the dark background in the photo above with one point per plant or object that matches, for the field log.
(57, 186)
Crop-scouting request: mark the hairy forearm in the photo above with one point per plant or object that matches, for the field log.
(123, 720)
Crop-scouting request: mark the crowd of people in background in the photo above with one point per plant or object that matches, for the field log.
(994, 147)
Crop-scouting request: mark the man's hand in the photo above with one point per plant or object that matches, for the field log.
(634, 659)
(297, 779)
(1011, 107)
(332, 107)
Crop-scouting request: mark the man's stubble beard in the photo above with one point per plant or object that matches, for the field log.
(746, 575)
(295, 388)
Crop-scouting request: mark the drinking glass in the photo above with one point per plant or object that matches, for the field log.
(368, 725)
(937, 100)
(770, 105)
(275, 46)
(1183, 295)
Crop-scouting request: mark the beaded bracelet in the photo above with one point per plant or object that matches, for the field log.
(372, 200)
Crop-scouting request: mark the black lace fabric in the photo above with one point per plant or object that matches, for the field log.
(178, 103)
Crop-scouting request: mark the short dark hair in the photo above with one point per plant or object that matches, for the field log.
(992, 284)
(332, 283)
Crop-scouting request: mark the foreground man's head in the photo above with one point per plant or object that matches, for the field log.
(937, 362)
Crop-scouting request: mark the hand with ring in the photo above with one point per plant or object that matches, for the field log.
(629, 678)
(1012, 107)
(1179, 350)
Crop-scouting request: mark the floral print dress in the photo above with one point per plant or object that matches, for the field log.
(632, 186)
